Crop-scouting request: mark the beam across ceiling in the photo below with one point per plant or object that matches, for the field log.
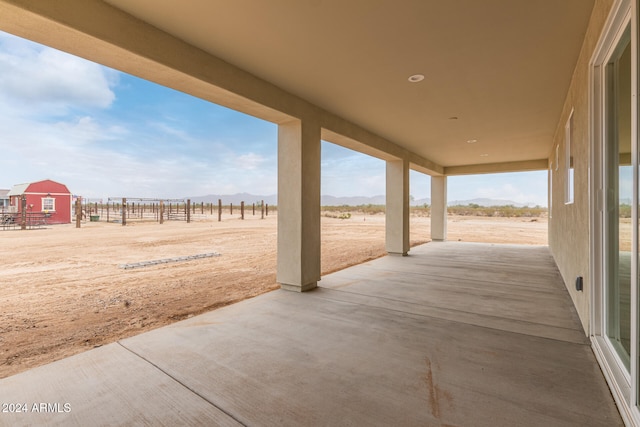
(523, 166)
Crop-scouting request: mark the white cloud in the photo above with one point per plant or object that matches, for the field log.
(249, 161)
(176, 132)
(40, 79)
(509, 192)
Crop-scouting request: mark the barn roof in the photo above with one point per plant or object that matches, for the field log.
(18, 189)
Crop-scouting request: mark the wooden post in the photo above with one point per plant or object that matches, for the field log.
(219, 209)
(266, 209)
(23, 216)
(211, 206)
(124, 211)
(241, 210)
(254, 209)
(161, 211)
(107, 210)
(262, 209)
(201, 208)
(189, 210)
(78, 212)
(231, 209)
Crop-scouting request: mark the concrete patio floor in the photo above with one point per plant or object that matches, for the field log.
(456, 334)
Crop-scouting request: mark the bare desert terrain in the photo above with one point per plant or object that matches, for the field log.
(64, 291)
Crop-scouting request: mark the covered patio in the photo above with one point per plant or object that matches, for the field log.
(456, 334)
(451, 335)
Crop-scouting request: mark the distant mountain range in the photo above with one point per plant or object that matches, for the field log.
(235, 199)
(489, 202)
(328, 200)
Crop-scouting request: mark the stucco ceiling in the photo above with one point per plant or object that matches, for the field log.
(496, 71)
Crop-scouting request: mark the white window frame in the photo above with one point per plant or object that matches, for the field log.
(53, 204)
(623, 384)
(569, 174)
(550, 189)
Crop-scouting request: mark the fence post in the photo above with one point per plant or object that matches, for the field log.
(266, 209)
(254, 209)
(219, 209)
(78, 212)
(23, 204)
(124, 211)
(241, 210)
(262, 209)
(189, 211)
(201, 208)
(231, 209)
(107, 210)
(161, 211)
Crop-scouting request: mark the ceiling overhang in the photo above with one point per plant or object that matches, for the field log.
(496, 71)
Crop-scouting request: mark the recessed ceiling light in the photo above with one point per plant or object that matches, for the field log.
(416, 78)
(471, 141)
(484, 155)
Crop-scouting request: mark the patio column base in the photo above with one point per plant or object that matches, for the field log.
(298, 288)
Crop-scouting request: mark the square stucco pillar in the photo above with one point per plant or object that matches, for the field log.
(298, 205)
(439, 208)
(397, 209)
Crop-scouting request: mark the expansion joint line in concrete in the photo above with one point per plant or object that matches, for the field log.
(183, 384)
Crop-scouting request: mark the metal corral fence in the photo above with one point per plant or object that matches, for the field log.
(126, 209)
(11, 220)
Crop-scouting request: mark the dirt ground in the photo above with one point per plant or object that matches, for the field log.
(63, 290)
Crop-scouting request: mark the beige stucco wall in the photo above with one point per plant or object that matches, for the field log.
(569, 223)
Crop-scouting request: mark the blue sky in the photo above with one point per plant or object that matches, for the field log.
(107, 134)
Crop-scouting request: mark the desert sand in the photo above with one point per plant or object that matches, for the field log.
(64, 290)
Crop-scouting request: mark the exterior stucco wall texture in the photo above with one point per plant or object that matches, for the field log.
(569, 223)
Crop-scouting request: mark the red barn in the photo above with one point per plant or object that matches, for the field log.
(48, 197)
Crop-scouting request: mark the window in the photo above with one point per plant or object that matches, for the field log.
(48, 204)
(569, 177)
(613, 325)
(551, 189)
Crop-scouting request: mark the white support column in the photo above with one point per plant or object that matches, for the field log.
(298, 205)
(397, 209)
(438, 208)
